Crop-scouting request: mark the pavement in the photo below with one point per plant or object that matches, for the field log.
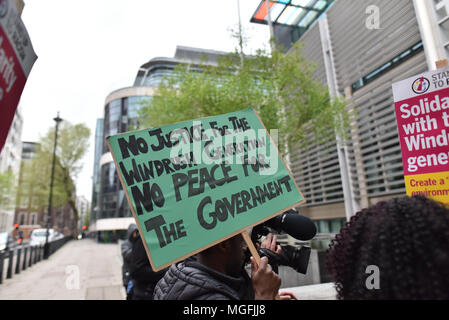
(80, 270)
(87, 270)
(322, 291)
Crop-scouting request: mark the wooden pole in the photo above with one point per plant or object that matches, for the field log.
(251, 246)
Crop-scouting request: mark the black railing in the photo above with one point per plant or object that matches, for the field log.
(23, 256)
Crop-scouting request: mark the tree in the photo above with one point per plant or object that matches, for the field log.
(87, 219)
(279, 86)
(7, 190)
(35, 182)
(71, 147)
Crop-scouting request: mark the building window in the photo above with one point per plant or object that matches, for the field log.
(327, 227)
(330, 226)
(393, 63)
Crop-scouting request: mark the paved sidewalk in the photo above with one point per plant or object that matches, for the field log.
(323, 291)
(79, 270)
(87, 270)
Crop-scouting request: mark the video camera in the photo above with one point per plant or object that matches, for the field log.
(297, 226)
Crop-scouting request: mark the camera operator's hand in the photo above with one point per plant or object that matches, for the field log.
(266, 283)
(270, 243)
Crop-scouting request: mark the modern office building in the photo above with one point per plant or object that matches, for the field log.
(12, 150)
(96, 175)
(111, 214)
(10, 157)
(360, 48)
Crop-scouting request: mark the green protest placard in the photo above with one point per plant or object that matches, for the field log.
(193, 184)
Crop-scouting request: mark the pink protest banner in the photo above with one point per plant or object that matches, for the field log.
(16, 60)
(422, 114)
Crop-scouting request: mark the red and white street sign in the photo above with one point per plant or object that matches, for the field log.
(16, 60)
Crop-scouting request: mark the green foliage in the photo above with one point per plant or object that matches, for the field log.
(36, 174)
(87, 219)
(36, 178)
(35, 182)
(7, 190)
(280, 87)
(71, 147)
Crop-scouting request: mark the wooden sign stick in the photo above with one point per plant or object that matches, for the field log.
(251, 246)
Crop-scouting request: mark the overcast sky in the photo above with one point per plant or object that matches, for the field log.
(88, 48)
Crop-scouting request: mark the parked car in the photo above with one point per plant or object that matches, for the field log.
(37, 236)
(6, 241)
(58, 235)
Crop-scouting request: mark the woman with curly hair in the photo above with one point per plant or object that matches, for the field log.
(406, 238)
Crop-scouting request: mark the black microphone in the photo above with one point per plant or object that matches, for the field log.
(293, 223)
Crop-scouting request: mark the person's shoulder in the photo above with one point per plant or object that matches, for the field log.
(210, 284)
(185, 280)
(174, 285)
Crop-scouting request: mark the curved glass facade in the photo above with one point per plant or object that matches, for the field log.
(157, 76)
(120, 115)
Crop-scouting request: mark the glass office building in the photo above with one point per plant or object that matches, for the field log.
(95, 178)
(111, 213)
(359, 49)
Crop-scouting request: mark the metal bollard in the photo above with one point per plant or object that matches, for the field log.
(2, 262)
(11, 257)
(25, 251)
(36, 251)
(31, 256)
(19, 253)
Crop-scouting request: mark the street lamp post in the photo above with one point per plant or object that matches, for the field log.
(50, 197)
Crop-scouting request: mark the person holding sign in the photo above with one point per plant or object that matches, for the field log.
(190, 187)
(126, 249)
(143, 276)
(217, 273)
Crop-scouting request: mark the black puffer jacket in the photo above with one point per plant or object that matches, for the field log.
(144, 278)
(191, 280)
(126, 248)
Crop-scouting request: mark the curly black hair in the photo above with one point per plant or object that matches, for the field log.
(407, 238)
